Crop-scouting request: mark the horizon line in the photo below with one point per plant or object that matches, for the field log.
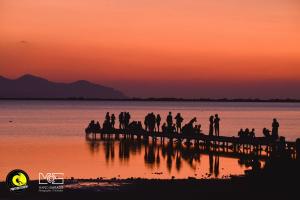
(271, 100)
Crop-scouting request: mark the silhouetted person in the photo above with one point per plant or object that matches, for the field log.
(197, 129)
(211, 125)
(173, 128)
(106, 123)
(151, 122)
(158, 120)
(241, 133)
(146, 122)
(247, 133)
(179, 120)
(121, 120)
(266, 132)
(126, 119)
(91, 127)
(217, 125)
(113, 120)
(107, 117)
(169, 120)
(97, 126)
(252, 133)
(164, 128)
(275, 126)
(188, 129)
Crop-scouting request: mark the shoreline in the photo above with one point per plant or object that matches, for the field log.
(236, 187)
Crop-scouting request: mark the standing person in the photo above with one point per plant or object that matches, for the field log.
(211, 125)
(151, 122)
(107, 117)
(158, 120)
(127, 119)
(179, 120)
(113, 120)
(146, 121)
(169, 120)
(217, 125)
(275, 126)
(121, 120)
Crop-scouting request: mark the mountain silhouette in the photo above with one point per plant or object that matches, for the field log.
(29, 86)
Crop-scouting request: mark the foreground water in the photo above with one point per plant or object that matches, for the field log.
(48, 136)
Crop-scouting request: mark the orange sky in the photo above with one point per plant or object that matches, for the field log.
(124, 42)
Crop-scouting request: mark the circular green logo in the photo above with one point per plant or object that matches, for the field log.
(17, 180)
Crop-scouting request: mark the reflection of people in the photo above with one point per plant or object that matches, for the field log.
(217, 125)
(275, 126)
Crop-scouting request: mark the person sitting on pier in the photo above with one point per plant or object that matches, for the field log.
(275, 126)
(121, 120)
(139, 126)
(179, 120)
(197, 129)
(169, 120)
(211, 125)
(164, 128)
(135, 126)
(241, 133)
(97, 127)
(188, 129)
(91, 127)
(246, 133)
(113, 120)
(217, 125)
(266, 132)
(173, 129)
(252, 133)
(158, 120)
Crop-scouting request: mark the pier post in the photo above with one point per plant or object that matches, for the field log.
(298, 149)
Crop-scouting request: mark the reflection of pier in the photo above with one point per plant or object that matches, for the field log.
(158, 152)
(236, 147)
(155, 152)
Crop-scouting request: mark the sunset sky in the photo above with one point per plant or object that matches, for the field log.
(174, 48)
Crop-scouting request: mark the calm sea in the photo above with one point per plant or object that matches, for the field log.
(48, 136)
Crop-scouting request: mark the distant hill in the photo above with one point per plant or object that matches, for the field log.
(29, 86)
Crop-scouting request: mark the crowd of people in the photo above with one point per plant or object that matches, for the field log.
(152, 123)
(246, 133)
(266, 132)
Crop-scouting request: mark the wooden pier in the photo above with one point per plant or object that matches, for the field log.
(230, 146)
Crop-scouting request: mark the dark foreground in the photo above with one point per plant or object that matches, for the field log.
(279, 180)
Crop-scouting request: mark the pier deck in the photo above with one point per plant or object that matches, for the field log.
(260, 146)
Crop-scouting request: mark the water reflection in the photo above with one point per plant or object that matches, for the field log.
(154, 151)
